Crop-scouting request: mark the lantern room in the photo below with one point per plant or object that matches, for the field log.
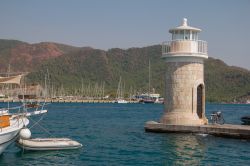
(184, 32)
(184, 41)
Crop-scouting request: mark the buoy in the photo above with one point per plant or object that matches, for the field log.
(25, 133)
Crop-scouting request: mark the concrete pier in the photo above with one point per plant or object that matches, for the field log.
(225, 130)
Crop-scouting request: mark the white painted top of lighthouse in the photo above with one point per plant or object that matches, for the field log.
(184, 43)
(184, 26)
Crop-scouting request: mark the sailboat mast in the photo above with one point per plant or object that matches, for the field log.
(149, 77)
(123, 90)
(103, 89)
(9, 88)
(45, 86)
(118, 93)
(82, 88)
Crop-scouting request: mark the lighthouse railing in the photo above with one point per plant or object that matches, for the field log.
(184, 46)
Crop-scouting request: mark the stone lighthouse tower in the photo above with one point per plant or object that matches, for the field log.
(184, 87)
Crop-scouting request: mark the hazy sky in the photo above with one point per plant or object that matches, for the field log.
(107, 24)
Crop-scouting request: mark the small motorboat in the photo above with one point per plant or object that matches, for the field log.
(148, 101)
(48, 144)
(245, 120)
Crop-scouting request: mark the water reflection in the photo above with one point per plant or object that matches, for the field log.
(184, 149)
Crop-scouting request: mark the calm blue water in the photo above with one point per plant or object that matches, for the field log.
(113, 134)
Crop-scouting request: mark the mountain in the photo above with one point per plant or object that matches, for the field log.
(73, 67)
(225, 83)
(24, 57)
(97, 66)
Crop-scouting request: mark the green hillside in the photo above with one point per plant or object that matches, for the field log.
(225, 83)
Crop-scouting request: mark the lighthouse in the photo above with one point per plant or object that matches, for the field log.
(184, 56)
(185, 89)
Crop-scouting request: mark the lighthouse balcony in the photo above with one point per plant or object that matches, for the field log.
(180, 47)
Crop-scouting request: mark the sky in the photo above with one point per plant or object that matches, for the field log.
(106, 24)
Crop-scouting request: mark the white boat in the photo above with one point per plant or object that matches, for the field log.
(9, 133)
(120, 93)
(10, 126)
(12, 123)
(48, 144)
(121, 101)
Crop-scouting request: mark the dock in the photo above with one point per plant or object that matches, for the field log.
(225, 130)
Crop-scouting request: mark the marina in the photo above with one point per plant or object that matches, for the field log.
(14, 123)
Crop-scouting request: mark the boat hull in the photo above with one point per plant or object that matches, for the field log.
(149, 101)
(10, 134)
(10, 139)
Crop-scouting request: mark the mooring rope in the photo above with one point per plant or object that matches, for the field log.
(41, 127)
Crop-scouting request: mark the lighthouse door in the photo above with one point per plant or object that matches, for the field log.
(199, 100)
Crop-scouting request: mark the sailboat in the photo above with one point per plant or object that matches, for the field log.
(120, 94)
(148, 98)
(12, 123)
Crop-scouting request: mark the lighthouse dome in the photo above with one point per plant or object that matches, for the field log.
(185, 26)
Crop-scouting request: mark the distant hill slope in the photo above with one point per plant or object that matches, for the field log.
(22, 56)
(225, 83)
(71, 66)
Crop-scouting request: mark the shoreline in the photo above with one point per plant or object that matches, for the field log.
(63, 101)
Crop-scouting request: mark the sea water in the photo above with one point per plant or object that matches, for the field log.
(113, 134)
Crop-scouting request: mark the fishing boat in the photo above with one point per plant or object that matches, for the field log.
(12, 120)
(39, 144)
(245, 120)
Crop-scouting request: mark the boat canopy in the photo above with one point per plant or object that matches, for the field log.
(11, 80)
